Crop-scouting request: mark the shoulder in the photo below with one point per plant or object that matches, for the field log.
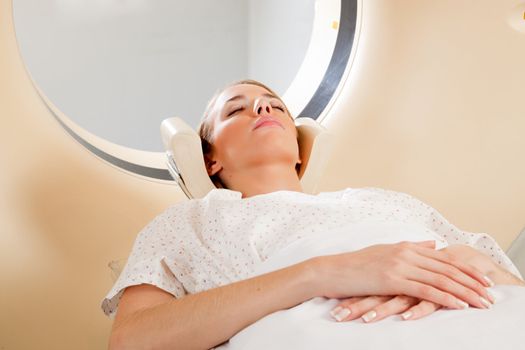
(373, 193)
(190, 211)
(193, 205)
(387, 195)
(176, 215)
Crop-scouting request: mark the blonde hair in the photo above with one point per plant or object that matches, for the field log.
(205, 129)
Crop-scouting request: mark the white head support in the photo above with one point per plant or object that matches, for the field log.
(186, 161)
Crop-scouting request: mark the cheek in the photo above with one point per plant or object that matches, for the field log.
(229, 140)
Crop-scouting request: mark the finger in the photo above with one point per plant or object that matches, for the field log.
(431, 270)
(393, 306)
(468, 276)
(465, 287)
(446, 284)
(449, 259)
(348, 310)
(420, 310)
(341, 311)
(428, 292)
(351, 300)
(428, 244)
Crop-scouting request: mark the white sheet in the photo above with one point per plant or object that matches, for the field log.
(310, 326)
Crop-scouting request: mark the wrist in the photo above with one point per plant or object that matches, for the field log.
(312, 271)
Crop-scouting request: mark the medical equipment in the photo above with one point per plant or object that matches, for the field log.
(430, 103)
(516, 252)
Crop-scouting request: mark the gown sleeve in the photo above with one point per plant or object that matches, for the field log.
(146, 265)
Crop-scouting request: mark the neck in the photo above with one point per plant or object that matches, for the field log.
(263, 179)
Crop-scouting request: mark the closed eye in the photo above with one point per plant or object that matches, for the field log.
(279, 107)
(235, 111)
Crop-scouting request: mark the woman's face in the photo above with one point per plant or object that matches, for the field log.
(251, 127)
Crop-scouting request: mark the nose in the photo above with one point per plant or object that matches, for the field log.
(262, 107)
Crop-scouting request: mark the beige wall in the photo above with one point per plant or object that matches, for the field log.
(433, 107)
(64, 214)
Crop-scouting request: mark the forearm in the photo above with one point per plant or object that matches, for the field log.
(206, 319)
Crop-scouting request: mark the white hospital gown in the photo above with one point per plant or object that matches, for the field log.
(204, 243)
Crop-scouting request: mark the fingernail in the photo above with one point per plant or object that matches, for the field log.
(340, 313)
(336, 311)
(369, 316)
(489, 281)
(406, 315)
(491, 297)
(485, 302)
(462, 304)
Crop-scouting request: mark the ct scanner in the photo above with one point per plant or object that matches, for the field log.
(428, 101)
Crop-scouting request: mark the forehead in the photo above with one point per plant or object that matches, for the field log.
(248, 90)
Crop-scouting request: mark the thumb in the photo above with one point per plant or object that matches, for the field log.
(427, 244)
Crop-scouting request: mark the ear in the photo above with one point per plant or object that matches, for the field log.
(212, 166)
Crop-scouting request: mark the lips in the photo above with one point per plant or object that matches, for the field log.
(264, 121)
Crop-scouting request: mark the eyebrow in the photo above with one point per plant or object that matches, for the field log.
(237, 97)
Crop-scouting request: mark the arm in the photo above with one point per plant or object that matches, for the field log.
(149, 318)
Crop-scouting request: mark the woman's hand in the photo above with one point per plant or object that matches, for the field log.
(483, 263)
(376, 308)
(412, 269)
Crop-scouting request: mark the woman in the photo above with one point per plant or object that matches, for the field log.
(251, 150)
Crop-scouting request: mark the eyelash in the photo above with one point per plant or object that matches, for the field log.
(241, 108)
(235, 111)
